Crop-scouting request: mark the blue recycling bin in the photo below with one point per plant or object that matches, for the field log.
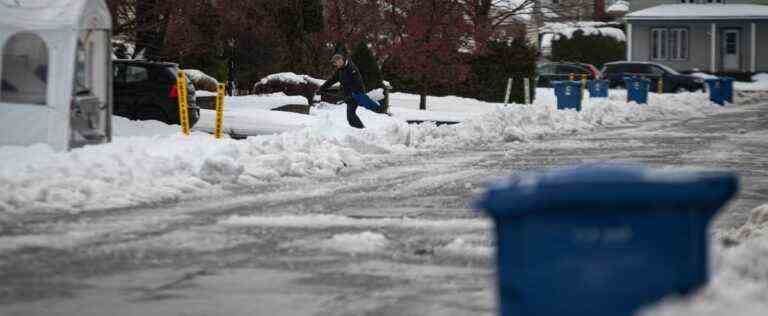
(601, 240)
(637, 89)
(568, 94)
(727, 88)
(598, 88)
(715, 88)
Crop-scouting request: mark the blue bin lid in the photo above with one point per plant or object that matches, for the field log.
(610, 188)
(566, 82)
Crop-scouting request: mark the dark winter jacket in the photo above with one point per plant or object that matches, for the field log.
(350, 78)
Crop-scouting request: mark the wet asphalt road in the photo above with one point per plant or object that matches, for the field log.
(426, 252)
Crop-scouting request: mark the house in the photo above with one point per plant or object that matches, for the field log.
(706, 35)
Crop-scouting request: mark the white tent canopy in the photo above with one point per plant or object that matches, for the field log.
(55, 71)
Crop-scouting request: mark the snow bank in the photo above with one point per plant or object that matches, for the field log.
(759, 83)
(739, 282)
(135, 170)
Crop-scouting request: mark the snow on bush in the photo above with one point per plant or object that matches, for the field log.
(587, 28)
(142, 170)
(739, 277)
(202, 81)
(620, 6)
(288, 83)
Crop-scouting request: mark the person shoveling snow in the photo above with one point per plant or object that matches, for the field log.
(353, 88)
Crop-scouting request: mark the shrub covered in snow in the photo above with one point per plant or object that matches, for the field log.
(289, 83)
(202, 81)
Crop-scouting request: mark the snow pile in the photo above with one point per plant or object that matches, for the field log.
(529, 122)
(759, 83)
(365, 242)
(620, 6)
(739, 282)
(139, 170)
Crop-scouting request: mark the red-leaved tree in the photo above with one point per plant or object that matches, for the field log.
(427, 39)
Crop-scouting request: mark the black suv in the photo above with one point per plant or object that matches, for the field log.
(146, 90)
(548, 72)
(673, 81)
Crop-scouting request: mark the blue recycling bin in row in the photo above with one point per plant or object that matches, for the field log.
(637, 89)
(568, 94)
(720, 90)
(598, 88)
(602, 240)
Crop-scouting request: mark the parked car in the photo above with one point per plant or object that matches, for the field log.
(146, 90)
(673, 81)
(548, 72)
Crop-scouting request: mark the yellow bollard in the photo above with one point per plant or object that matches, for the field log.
(661, 85)
(181, 86)
(219, 111)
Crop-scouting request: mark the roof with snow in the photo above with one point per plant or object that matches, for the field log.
(701, 12)
(54, 14)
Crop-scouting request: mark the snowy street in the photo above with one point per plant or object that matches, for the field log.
(397, 237)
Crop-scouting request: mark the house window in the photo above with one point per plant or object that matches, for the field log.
(24, 70)
(678, 44)
(659, 44)
(669, 44)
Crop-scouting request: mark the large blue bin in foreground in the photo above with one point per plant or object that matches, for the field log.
(637, 89)
(568, 94)
(598, 88)
(602, 241)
